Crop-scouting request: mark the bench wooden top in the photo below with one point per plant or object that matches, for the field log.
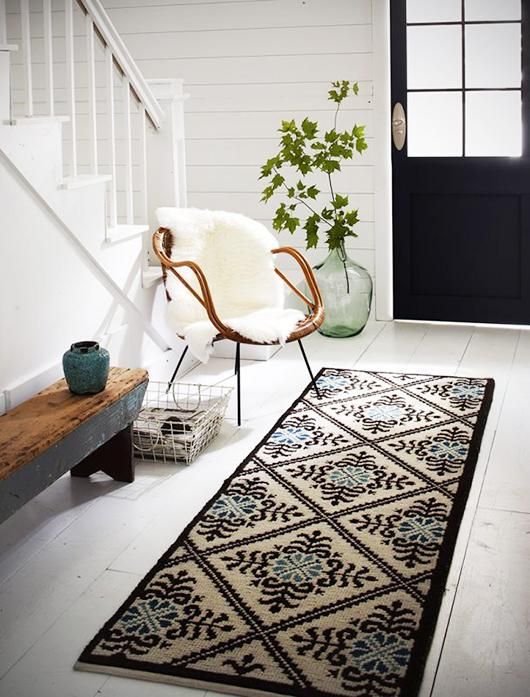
(35, 425)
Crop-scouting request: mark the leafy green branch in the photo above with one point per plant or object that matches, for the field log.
(303, 152)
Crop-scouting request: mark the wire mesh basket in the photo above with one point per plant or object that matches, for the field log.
(176, 426)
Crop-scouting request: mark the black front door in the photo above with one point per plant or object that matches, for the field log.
(461, 181)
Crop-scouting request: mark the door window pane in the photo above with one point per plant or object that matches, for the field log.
(434, 10)
(493, 124)
(434, 57)
(434, 124)
(489, 10)
(493, 55)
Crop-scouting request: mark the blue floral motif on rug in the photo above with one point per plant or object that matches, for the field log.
(319, 567)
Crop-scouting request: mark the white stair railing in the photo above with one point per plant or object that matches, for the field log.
(90, 38)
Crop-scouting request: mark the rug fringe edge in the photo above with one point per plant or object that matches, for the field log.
(225, 688)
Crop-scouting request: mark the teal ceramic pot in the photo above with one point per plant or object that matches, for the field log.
(86, 367)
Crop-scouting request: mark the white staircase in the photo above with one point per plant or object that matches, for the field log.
(88, 149)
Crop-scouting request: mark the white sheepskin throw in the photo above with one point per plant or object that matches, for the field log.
(234, 253)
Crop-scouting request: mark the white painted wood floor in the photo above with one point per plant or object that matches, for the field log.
(72, 555)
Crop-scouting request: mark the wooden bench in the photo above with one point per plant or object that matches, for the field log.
(57, 431)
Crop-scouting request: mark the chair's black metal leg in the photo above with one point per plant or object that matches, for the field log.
(238, 375)
(172, 380)
(309, 367)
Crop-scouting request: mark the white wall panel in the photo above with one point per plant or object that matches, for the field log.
(252, 124)
(250, 204)
(234, 42)
(249, 151)
(262, 69)
(300, 96)
(246, 179)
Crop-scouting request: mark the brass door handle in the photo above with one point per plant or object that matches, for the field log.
(399, 126)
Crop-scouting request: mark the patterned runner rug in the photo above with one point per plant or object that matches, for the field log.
(319, 567)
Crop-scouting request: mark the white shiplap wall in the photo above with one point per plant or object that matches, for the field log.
(246, 65)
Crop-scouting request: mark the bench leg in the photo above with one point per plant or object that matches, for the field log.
(115, 458)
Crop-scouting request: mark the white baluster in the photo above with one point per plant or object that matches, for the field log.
(70, 79)
(3, 25)
(91, 84)
(113, 212)
(143, 162)
(128, 152)
(48, 53)
(26, 50)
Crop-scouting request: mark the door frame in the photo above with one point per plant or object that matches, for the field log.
(383, 191)
(384, 255)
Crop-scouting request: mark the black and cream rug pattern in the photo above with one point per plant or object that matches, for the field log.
(318, 568)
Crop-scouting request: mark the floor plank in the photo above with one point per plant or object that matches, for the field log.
(507, 482)
(487, 649)
(441, 349)
(393, 348)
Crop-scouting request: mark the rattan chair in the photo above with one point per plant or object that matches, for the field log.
(162, 242)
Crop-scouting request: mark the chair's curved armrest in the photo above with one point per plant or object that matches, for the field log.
(316, 304)
(172, 266)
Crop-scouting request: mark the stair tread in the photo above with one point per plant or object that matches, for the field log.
(132, 228)
(34, 120)
(123, 232)
(84, 180)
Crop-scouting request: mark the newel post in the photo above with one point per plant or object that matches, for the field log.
(166, 156)
(5, 84)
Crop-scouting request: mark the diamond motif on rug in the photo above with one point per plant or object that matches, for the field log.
(319, 566)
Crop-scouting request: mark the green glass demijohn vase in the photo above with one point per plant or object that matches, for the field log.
(346, 289)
